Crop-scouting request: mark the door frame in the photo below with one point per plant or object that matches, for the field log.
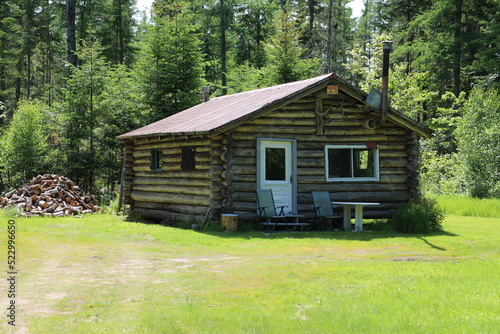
(293, 168)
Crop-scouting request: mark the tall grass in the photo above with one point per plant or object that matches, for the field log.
(410, 219)
(420, 216)
(470, 207)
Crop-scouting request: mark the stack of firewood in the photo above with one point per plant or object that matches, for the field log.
(50, 195)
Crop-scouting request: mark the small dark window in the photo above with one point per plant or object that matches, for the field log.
(156, 160)
(188, 161)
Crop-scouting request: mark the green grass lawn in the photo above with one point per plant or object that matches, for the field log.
(103, 274)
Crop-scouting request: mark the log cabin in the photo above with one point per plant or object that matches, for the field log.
(318, 134)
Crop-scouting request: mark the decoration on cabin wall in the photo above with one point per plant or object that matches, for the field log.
(332, 89)
(322, 117)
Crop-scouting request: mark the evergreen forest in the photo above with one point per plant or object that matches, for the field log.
(74, 74)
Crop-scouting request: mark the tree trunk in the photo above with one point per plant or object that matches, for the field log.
(120, 33)
(330, 38)
(29, 44)
(223, 46)
(457, 57)
(71, 31)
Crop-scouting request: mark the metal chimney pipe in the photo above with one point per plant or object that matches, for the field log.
(205, 92)
(384, 105)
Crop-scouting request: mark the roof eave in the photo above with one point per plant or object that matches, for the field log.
(403, 120)
(164, 135)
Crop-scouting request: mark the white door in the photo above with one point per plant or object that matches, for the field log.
(276, 171)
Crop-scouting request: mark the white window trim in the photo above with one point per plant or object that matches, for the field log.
(352, 179)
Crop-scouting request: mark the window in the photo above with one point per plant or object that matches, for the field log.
(188, 161)
(275, 164)
(351, 163)
(156, 160)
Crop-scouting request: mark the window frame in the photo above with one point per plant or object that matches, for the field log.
(376, 164)
(157, 160)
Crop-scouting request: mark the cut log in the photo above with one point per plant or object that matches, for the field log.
(229, 222)
(48, 194)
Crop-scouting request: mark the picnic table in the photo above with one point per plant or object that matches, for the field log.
(358, 214)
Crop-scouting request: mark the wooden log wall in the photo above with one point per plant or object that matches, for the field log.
(225, 176)
(128, 176)
(173, 193)
(342, 124)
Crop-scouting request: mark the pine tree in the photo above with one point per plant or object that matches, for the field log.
(254, 25)
(285, 53)
(171, 62)
(117, 32)
(446, 41)
(82, 115)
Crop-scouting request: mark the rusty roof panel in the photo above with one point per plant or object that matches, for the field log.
(209, 116)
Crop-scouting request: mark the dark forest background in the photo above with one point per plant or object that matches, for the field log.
(76, 73)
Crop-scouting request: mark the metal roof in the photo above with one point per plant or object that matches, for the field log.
(208, 117)
(222, 113)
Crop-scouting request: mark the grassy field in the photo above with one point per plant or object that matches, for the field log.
(103, 274)
(470, 207)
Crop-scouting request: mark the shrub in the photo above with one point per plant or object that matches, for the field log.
(23, 144)
(436, 213)
(421, 216)
(478, 143)
(441, 174)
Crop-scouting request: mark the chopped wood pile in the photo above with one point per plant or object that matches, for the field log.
(50, 195)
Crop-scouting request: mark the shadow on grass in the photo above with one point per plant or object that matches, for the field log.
(371, 231)
(434, 246)
(366, 235)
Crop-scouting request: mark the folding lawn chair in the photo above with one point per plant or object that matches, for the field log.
(323, 208)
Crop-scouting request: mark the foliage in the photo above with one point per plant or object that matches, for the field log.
(101, 102)
(82, 114)
(479, 143)
(254, 25)
(171, 62)
(410, 218)
(285, 62)
(365, 59)
(421, 216)
(441, 174)
(435, 212)
(24, 143)
(441, 50)
(408, 92)
(116, 32)
(12, 212)
(245, 77)
(445, 49)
